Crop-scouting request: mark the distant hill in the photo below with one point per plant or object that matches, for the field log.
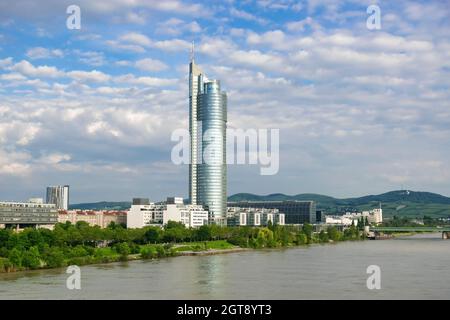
(104, 205)
(399, 203)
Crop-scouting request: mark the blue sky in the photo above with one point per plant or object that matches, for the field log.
(359, 111)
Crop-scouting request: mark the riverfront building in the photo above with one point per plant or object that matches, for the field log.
(93, 218)
(296, 212)
(207, 127)
(145, 213)
(254, 217)
(59, 196)
(34, 213)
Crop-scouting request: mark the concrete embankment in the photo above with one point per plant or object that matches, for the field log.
(211, 252)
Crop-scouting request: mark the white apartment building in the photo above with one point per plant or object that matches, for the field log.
(143, 213)
(374, 216)
(340, 220)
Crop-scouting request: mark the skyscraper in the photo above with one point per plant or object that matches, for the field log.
(207, 126)
(58, 195)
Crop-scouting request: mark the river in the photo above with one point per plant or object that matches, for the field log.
(416, 267)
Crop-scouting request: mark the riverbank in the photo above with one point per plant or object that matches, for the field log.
(151, 252)
(81, 244)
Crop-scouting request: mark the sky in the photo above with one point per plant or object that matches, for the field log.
(359, 111)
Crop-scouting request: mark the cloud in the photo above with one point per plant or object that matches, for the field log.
(175, 26)
(241, 14)
(43, 53)
(136, 38)
(27, 69)
(149, 64)
(136, 42)
(94, 75)
(92, 58)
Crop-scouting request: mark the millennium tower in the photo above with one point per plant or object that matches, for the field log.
(207, 127)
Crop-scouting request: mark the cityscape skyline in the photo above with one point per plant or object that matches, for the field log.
(359, 111)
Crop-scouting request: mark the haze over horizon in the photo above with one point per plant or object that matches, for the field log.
(359, 111)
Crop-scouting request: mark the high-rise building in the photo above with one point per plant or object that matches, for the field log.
(207, 126)
(59, 196)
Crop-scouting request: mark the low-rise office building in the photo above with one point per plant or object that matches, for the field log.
(192, 216)
(144, 213)
(296, 212)
(237, 216)
(34, 213)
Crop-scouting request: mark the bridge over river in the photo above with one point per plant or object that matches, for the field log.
(445, 230)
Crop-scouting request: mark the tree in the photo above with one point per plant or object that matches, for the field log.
(333, 233)
(15, 257)
(54, 257)
(152, 235)
(123, 249)
(323, 236)
(203, 233)
(307, 229)
(31, 258)
(302, 238)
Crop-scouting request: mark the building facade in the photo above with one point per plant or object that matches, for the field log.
(28, 214)
(207, 126)
(237, 216)
(296, 212)
(151, 214)
(59, 196)
(94, 218)
(144, 213)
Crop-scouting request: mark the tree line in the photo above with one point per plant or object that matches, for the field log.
(80, 243)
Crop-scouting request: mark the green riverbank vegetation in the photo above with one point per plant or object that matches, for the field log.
(81, 244)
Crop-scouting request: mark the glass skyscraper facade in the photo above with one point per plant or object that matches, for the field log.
(207, 126)
(59, 196)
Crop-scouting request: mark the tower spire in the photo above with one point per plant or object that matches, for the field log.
(192, 51)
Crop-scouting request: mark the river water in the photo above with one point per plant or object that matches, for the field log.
(416, 267)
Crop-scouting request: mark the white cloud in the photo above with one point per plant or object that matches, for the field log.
(5, 62)
(27, 69)
(241, 14)
(94, 75)
(92, 58)
(136, 38)
(175, 26)
(148, 81)
(149, 64)
(43, 53)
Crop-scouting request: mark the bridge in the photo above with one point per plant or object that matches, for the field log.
(445, 230)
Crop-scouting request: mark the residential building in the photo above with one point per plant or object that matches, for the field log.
(59, 196)
(101, 218)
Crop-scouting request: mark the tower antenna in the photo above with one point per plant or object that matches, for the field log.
(192, 51)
